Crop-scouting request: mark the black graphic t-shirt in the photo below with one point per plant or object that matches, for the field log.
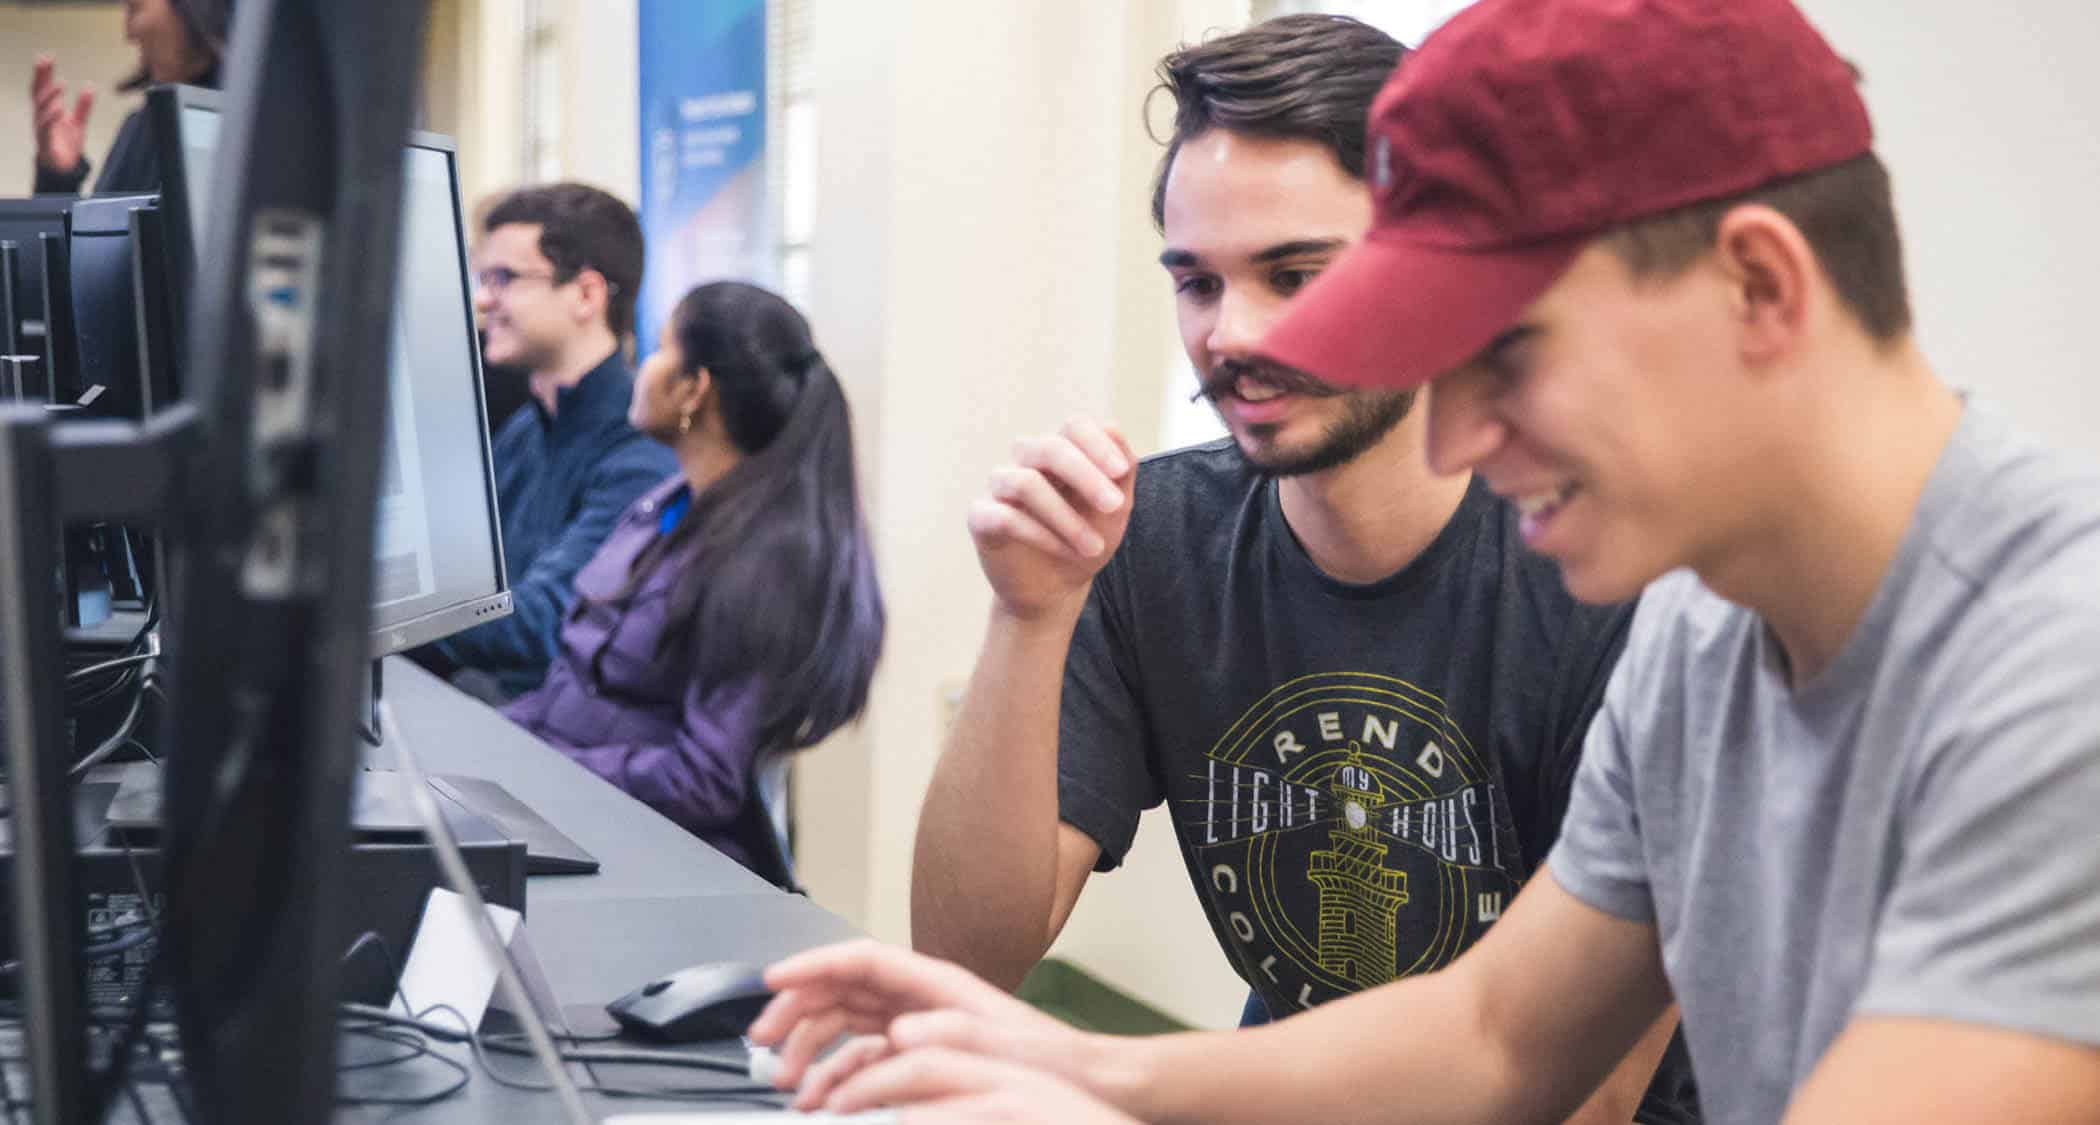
(1360, 776)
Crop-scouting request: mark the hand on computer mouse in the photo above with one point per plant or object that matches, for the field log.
(943, 1086)
(911, 1002)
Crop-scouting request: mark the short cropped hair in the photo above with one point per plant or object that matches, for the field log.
(1845, 212)
(1300, 77)
(582, 228)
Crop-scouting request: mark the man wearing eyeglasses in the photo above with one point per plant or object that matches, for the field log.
(555, 279)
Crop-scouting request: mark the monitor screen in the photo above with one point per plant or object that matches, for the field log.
(439, 557)
(109, 379)
(22, 221)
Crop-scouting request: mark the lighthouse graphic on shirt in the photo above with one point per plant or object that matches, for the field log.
(1344, 832)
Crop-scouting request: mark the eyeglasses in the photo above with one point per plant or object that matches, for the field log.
(496, 279)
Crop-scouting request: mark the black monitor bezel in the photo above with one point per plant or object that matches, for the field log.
(53, 209)
(164, 106)
(92, 219)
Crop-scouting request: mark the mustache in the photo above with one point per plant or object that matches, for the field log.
(1219, 382)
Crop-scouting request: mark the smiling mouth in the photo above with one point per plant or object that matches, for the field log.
(1247, 388)
(1537, 509)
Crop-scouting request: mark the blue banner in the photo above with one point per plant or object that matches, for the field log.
(702, 77)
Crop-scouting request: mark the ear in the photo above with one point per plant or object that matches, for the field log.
(690, 395)
(592, 295)
(1773, 276)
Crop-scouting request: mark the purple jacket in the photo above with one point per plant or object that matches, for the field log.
(682, 747)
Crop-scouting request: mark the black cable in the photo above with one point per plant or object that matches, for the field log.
(117, 738)
(420, 1050)
(382, 1029)
(101, 1090)
(482, 1046)
(178, 850)
(79, 674)
(416, 1048)
(98, 951)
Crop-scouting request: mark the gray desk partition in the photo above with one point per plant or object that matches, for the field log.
(662, 900)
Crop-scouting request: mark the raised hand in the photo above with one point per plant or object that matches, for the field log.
(61, 133)
(1053, 516)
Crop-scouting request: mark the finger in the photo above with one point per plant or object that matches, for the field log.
(997, 524)
(951, 1030)
(53, 98)
(805, 1043)
(838, 961)
(857, 1055)
(40, 75)
(788, 1010)
(45, 120)
(886, 975)
(1074, 469)
(927, 1075)
(1031, 492)
(1115, 434)
(1103, 444)
(83, 104)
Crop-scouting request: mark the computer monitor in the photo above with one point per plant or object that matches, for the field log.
(21, 222)
(438, 548)
(103, 273)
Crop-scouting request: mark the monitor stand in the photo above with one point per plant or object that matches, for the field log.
(548, 850)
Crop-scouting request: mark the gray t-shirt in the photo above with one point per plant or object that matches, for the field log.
(1914, 833)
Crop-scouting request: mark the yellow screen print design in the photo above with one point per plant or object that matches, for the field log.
(1348, 833)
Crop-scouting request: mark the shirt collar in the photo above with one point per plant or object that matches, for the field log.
(600, 395)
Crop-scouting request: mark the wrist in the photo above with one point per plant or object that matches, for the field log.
(1052, 620)
(1129, 1072)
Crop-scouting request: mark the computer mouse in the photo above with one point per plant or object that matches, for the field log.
(711, 1001)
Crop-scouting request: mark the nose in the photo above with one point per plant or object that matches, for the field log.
(1241, 321)
(484, 298)
(1463, 429)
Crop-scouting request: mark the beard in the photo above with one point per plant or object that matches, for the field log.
(1367, 416)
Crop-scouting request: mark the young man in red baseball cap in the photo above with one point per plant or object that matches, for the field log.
(1838, 802)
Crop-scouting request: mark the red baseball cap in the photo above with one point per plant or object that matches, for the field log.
(1522, 129)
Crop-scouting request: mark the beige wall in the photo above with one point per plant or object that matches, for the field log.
(90, 48)
(984, 269)
(1986, 116)
(474, 90)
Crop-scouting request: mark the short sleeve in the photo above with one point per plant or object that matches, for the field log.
(1599, 857)
(1994, 914)
(1104, 780)
(1590, 650)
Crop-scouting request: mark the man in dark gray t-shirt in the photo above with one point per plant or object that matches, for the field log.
(1841, 800)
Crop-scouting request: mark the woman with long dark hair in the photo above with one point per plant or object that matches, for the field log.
(733, 613)
(178, 41)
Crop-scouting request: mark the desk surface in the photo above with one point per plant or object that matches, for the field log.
(661, 900)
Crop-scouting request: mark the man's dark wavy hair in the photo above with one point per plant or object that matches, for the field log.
(582, 227)
(1302, 77)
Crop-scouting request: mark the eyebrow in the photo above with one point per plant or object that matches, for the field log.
(1297, 248)
(1509, 338)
